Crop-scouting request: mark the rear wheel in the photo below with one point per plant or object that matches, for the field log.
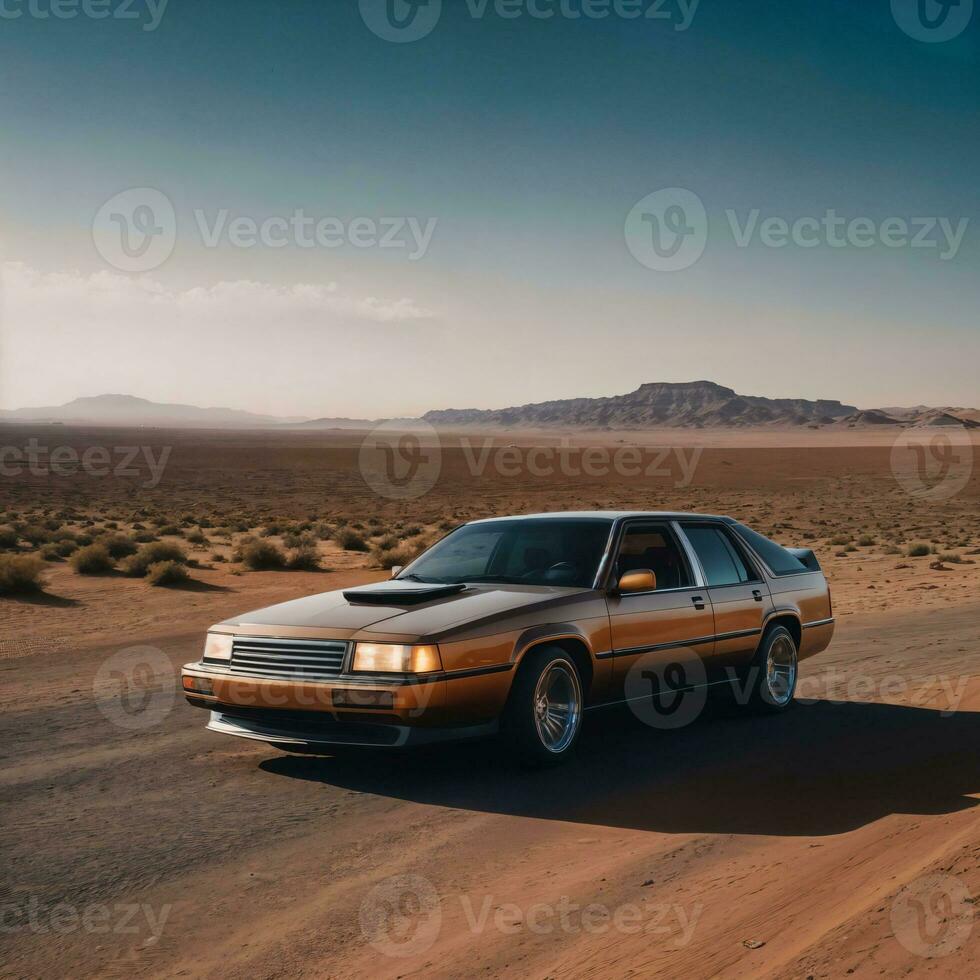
(773, 673)
(544, 712)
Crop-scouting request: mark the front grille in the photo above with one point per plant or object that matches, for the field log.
(308, 659)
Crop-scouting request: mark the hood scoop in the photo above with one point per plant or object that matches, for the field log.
(400, 593)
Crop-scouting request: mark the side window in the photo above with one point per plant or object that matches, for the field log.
(652, 546)
(722, 563)
(774, 555)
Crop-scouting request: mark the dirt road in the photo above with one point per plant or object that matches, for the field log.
(840, 837)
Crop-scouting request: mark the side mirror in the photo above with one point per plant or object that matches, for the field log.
(639, 580)
(395, 569)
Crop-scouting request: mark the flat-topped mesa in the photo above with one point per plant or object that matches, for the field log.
(668, 404)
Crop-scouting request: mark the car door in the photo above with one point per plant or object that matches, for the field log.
(738, 593)
(668, 629)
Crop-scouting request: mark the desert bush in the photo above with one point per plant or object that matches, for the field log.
(291, 539)
(412, 530)
(919, 550)
(54, 550)
(865, 541)
(350, 540)
(196, 536)
(20, 573)
(840, 539)
(166, 573)
(118, 545)
(170, 531)
(35, 534)
(387, 542)
(143, 537)
(389, 557)
(952, 557)
(152, 554)
(93, 559)
(259, 555)
(304, 558)
(8, 537)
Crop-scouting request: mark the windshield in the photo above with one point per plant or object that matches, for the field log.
(553, 551)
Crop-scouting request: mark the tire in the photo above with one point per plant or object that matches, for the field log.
(773, 672)
(543, 717)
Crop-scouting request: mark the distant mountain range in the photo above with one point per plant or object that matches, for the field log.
(694, 404)
(130, 410)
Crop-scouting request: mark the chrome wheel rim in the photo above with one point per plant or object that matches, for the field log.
(781, 670)
(557, 706)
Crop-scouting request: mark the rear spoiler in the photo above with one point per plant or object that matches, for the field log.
(806, 556)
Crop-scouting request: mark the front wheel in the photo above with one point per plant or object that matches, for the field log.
(772, 676)
(544, 712)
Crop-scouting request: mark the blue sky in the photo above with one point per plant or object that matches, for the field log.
(526, 142)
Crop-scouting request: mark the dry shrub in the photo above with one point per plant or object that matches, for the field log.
(93, 559)
(304, 558)
(118, 545)
(166, 573)
(8, 537)
(153, 553)
(259, 555)
(20, 573)
(350, 540)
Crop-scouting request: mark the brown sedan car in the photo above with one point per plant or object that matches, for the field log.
(520, 625)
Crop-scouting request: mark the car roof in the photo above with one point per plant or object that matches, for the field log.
(610, 515)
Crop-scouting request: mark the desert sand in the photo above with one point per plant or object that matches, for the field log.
(737, 846)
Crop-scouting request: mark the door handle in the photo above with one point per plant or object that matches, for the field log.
(757, 595)
(698, 601)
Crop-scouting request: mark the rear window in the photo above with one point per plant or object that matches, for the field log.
(774, 555)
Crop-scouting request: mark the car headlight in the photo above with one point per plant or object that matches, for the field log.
(218, 646)
(393, 658)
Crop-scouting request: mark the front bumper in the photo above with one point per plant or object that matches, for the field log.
(346, 710)
(318, 730)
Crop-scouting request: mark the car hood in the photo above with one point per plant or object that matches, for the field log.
(331, 614)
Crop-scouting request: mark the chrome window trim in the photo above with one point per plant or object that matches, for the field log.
(620, 526)
(748, 555)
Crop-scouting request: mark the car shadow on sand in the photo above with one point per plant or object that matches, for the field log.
(823, 768)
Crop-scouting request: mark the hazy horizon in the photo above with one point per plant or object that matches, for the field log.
(511, 175)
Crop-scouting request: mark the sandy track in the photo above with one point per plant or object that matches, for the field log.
(797, 832)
